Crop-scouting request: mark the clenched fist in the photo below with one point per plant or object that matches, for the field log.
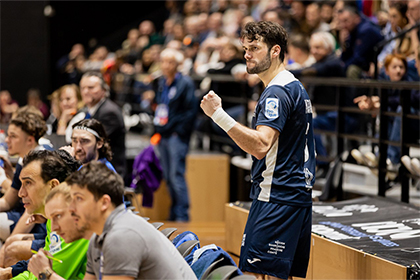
(210, 103)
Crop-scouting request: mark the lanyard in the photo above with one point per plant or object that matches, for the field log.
(166, 89)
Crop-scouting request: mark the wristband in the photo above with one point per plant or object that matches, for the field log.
(222, 119)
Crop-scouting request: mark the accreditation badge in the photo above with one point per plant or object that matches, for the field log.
(161, 115)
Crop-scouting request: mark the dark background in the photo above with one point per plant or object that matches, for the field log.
(31, 43)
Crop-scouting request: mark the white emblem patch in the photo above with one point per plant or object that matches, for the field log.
(308, 106)
(272, 108)
(55, 242)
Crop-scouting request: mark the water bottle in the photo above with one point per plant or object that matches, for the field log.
(3, 146)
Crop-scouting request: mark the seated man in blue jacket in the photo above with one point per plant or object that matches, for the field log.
(358, 49)
(328, 64)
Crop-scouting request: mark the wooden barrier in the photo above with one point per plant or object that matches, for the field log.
(207, 176)
(328, 260)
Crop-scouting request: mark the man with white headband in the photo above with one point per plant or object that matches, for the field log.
(89, 142)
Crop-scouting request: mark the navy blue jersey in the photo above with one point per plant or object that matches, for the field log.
(287, 173)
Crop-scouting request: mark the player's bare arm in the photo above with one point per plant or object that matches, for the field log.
(256, 142)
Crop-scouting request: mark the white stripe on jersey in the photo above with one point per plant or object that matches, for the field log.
(270, 163)
(283, 78)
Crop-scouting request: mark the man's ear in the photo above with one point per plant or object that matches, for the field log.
(105, 202)
(99, 144)
(30, 140)
(275, 50)
(54, 183)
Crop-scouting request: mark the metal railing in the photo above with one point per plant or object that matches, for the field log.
(372, 86)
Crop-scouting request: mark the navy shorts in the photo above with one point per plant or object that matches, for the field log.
(277, 240)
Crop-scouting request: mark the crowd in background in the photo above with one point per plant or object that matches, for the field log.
(326, 39)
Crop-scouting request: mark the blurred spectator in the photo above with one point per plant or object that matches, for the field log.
(298, 21)
(34, 99)
(95, 92)
(174, 118)
(327, 8)
(314, 20)
(232, 19)
(298, 52)
(277, 15)
(7, 106)
(191, 27)
(328, 64)
(70, 65)
(129, 46)
(70, 101)
(382, 18)
(168, 30)
(358, 49)
(148, 68)
(214, 26)
(395, 69)
(209, 53)
(190, 48)
(147, 29)
(230, 60)
(96, 60)
(174, 44)
(413, 15)
(398, 21)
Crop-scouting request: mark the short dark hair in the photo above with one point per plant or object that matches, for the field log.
(268, 32)
(99, 180)
(30, 122)
(300, 41)
(54, 164)
(99, 75)
(351, 8)
(105, 151)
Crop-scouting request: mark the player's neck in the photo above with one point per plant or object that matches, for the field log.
(271, 72)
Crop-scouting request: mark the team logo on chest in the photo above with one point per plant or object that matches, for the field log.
(271, 108)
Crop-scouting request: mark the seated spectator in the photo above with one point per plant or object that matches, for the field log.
(278, 15)
(395, 69)
(42, 172)
(314, 20)
(74, 242)
(208, 54)
(298, 20)
(89, 142)
(398, 22)
(147, 29)
(98, 192)
(129, 46)
(358, 49)
(24, 131)
(382, 18)
(327, 11)
(69, 102)
(34, 99)
(298, 52)
(96, 60)
(69, 65)
(55, 112)
(7, 106)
